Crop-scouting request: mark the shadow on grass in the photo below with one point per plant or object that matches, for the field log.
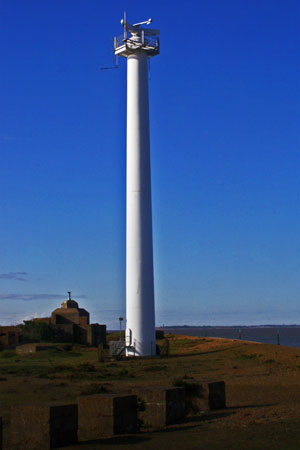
(184, 355)
(180, 426)
(233, 408)
(140, 438)
(208, 416)
(118, 441)
(224, 413)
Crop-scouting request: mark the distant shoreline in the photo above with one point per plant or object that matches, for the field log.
(217, 327)
(229, 326)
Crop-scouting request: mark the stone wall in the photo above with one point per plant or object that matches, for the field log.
(102, 416)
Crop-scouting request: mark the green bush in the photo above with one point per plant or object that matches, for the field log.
(93, 388)
(86, 367)
(7, 354)
(188, 385)
(36, 332)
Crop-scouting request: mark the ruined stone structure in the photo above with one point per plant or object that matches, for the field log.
(43, 426)
(46, 320)
(102, 416)
(70, 313)
(164, 405)
(9, 337)
(69, 323)
(75, 322)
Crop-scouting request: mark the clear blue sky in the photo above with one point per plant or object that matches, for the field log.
(224, 112)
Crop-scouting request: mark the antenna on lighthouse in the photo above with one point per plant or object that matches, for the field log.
(123, 22)
(138, 44)
(116, 66)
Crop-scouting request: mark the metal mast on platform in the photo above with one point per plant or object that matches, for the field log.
(137, 44)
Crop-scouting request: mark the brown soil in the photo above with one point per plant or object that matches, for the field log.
(262, 391)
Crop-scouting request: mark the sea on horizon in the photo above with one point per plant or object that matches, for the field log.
(288, 335)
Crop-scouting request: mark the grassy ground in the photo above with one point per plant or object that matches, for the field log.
(262, 389)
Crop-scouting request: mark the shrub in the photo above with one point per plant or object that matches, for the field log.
(7, 354)
(188, 385)
(36, 332)
(93, 388)
(86, 367)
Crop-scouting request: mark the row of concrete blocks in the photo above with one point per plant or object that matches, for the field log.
(102, 416)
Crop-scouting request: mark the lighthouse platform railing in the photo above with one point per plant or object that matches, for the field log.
(147, 43)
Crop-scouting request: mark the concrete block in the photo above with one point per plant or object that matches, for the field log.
(105, 415)
(43, 426)
(162, 405)
(201, 397)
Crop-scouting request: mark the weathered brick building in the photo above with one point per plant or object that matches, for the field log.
(9, 336)
(69, 322)
(75, 322)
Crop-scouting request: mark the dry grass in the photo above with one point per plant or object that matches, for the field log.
(262, 384)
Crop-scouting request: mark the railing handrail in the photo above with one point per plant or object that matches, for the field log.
(152, 41)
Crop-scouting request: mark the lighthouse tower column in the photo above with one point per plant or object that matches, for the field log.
(141, 44)
(140, 326)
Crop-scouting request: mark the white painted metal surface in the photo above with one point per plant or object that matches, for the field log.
(139, 254)
(140, 317)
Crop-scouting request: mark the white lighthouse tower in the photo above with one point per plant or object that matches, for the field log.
(137, 44)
